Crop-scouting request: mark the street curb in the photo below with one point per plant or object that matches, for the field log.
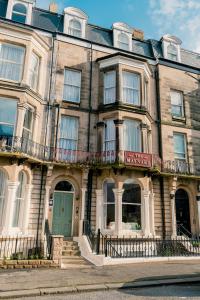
(95, 287)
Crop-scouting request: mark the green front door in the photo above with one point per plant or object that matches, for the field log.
(62, 214)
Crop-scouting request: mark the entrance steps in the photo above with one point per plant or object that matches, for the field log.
(71, 256)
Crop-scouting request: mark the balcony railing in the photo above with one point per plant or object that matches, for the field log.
(28, 148)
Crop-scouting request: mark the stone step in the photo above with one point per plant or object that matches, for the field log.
(71, 252)
(70, 243)
(75, 247)
(73, 266)
(74, 262)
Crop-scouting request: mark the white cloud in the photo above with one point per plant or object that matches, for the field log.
(178, 17)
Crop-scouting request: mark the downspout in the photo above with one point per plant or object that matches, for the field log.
(90, 173)
(160, 143)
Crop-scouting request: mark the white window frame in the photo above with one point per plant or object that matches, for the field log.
(19, 201)
(185, 147)
(29, 131)
(13, 62)
(131, 88)
(175, 105)
(3, 195)
(121, 44)
(69, 85)
(73, 30)
(139, 135)
(34, 74)
(19, 13)
(111, 87)
(170, 54)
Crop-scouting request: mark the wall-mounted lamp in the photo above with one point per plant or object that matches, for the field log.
(172, 195)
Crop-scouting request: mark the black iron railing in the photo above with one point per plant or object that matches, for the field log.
(123, 247)
(20, 248)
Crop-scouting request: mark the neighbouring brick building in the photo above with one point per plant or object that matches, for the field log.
(96, 125)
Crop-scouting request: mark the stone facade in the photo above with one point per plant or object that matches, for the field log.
(151, 171)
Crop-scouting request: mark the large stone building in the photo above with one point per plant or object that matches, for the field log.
(96, 125)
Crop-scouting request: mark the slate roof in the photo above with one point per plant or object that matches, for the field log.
(53, 22)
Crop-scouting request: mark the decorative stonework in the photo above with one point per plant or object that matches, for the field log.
(57, 245)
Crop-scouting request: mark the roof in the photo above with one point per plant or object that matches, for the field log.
(53, 22)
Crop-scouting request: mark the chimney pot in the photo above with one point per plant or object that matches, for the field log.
(53, 7)
(138, 34)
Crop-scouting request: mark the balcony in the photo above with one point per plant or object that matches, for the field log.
(24, 148)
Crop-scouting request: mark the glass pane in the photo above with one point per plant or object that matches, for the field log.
(109, 216)
(179, 145)
(20, 8)
(132, 193)
(176, 111)
(18, 18)
(69, 128)
(8, 111)
(132, 136)
(131, 217)
(28, 119)
(6, 130)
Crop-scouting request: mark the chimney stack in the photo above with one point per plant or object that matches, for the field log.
(53, 7)
(138, 34)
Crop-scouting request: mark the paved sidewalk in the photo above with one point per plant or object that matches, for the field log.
(54, 280)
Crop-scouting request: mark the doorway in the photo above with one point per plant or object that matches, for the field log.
(63, 209)
(183, 212)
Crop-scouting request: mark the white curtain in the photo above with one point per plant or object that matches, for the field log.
(72, 85)
(11, 62)
(177, 103)
(132, 136)
(131, 88)
(3, 186)
(69, 133)
(20, 198)
(75, 28)
(109, 136)
(109, 87)
(34, 70)
(179, 146)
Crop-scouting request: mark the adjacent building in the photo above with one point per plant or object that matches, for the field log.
(97, 126)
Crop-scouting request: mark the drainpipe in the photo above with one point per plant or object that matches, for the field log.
(160, 143)
(90, 173)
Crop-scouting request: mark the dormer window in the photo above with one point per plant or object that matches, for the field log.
(172, 52)
(19, 13)
(123, 41)
(75, 22)
(171, 46)
(122, 36)
(75, 28)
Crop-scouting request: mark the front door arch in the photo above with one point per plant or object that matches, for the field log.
(183, 211)
(63, 209)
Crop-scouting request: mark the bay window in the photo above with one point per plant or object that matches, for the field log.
(34, 71)
(131, 206)
(8, 114)
(179, 146)
(72, 85)
(109, 140)
(109, 205)
(132, 135)
(109, 87)
(19, 200)
(131, 88)
(177, 103)
(11, 62)
(68, 138)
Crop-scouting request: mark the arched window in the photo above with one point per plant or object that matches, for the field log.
(131, 206)
(19, 13)
(109, 204)
(172, 52)
(3, 187)
(20, 198)
(75, 28)
(123, 41)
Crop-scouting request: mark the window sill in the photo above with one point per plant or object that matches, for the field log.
(71, 102)
(178, 119)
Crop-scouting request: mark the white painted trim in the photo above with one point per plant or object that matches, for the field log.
(131, 62)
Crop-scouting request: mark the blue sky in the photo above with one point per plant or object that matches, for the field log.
(154, 17)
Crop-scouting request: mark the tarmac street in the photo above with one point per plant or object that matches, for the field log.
(36, 282)
(174, 292)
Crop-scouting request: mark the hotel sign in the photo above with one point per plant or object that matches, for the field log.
(138, 159)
